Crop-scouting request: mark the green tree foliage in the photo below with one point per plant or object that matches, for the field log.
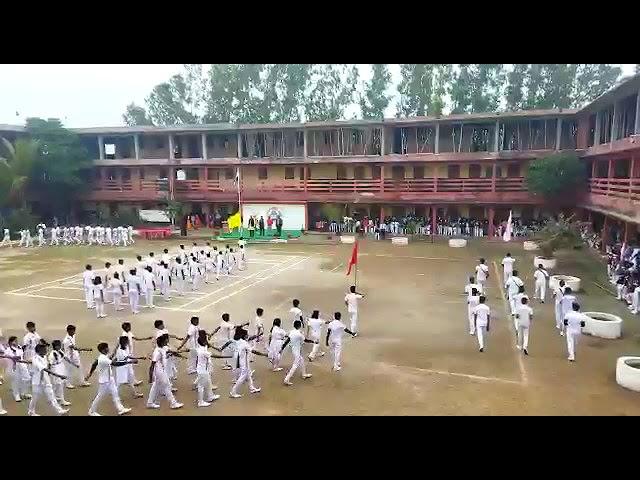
(331, 91)
(136, 116)
(16, 170)
(514, 94)
(173, 102)
(477, 87)
(284, 89)
(558, 234)
(593, 80)
(374, 100)
(556, 175)
(422, 88)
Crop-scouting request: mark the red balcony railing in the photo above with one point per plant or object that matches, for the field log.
(625, 188)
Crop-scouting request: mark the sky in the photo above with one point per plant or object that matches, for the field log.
(97, 95)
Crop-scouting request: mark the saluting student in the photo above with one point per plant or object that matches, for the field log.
(482, 318)
(540, 289)
(106, 382)
(351, 300)
(296, 338)
(335, 329)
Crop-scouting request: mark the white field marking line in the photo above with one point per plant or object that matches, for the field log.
(414, 258)
(464, 375)
(336, 267)
(45, 296)
(40, 284)
(288, 267)
(192, 294)
(232, 284)
(507, 309)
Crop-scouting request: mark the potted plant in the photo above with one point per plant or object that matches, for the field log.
(556, 235)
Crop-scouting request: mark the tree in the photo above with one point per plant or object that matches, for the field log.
(418, 89)
(16, 170)
(477, 87)
(175, 210)
(136, 116)
(374, 100)
(556, 174)
(283, 90)
(172, 102)
(514, 94)
(556, 235)
(592, 80)
(331, 90)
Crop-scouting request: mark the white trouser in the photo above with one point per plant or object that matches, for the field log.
(148, 296)
(336, 348)
(481, 331)
(20, 381)
(481, 285)
(5, 241)
(134, 298)
(315, 350)
(105, 389)
(197, 280)
(180, 285)
(74, 375)
(246, 374)
(218, 267)
(572, 340)
(507, 274)
(634, 301)
(619, 289)
(540, 290)
(512, 302)
(192, 361)
(47, 392)
(88, 296)
(164, 290)
(205, 387)
(117, 300)
(99, 307)
(298, 362)
(353, 316)
(161, 387)
(472, 323)
(559, 319)
(274, 353)
(523, 336)
(58, 389)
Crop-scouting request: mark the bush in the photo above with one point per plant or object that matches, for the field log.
(332, 211)
(555, 235)
(556, 174)
(19, 219)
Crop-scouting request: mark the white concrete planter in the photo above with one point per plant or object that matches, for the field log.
(603, 325)
(569, 281)
(547, 263)
(400, 241)
(347, 239)
(529, 245)
(628, 373)
(457, 242)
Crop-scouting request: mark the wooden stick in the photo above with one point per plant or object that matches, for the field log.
(605, 289)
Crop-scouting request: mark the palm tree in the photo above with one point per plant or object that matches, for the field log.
(16, 169)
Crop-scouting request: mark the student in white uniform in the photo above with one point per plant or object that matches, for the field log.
(258, 325)
(482, 274)
(226, 329)
(29, 343)
(471, 285)
(130, 235)
(507, 266)
(204, 384)
(121, 270)
(296, 339)
(512, 285)
(87, 282)
(335, 330)
(6, 239)
(541, 276)
(41, 241)
(54, 236)
(558, 293)
(219, 263)
(19, 371)
(295, 313)
(473, 300)
(242, 258)
(170, 365)
(108, 275)
(181, 276)
(242, 354)
(134, 288)
(208, 268)
(127, 332)
(108, 236)
(98, 297)
(148, 286)
(524, 315)
(41, 382)
(165, 281)
(574, 322)
(72, 353)
(276, 340)
(116, 288)
(125, 374)
(158, 377)
(482, 318)
(106, 382)
(57, 360)
(517, 300)
(197, 274)
(191, 341)
(351, 300)
(566, 304)
(314, 333)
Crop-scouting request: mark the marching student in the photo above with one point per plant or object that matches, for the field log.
(19, 374)
(276, 340)
(121, 270)
(208, 267)
(468, 288)
(482, 274)
(314, 333)
(41, 241)
(195, 269)
(541, 276)
(6, 239)
(170, 366)
(568, 299)
(87, 282)
(29, 342)
(117, 291)
(181, 276)
(242, 258)
(165, 281)
(219, 263)
(125, 374)
(524, 315)
(351, 301)
(57, 362)
(231, 261)
(558, 293)
(106, 382)
(473, 300)
(158, 376)
(108, 275)
(54, 236)
(482, 319)
(204, 384)
(191, 340)
(126, 332)
(72, 353)
(140, 264)
(134, 289)
(574, 322)
(507, 266)
(166, 259)
(226, 329)
(296, 338)
(98, 297)
(335, 329)
(258, 325)
(148, 285)
(41, 382)
(517, 300)
(295, 312)
(242, 352)
(512, 285)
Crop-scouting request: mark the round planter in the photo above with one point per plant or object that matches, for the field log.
(603, 325)
(628, 373)
(569, 281)
(529, 245)
(457, 242)
(347, 239)
(547, 263)
(400, 241)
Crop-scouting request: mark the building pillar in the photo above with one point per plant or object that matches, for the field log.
(305, 143)
(492, 214)
(136, 146)
(171, 155)
(605, 233)
(101, 146)
(381, 178)
(493, 177)
(172, 183)
(596, 132)
(204, 146)
(637, 123)
(434, 219)
(558, 133)
(383, 141)
(135, 179)
(381, 213)
(306, 176)
(594, 169)
(496, 137)
(436, 143)
(239, 144)
(610, 170)
(626, 232)
(614, 123)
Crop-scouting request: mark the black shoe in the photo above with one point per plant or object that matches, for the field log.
(482, 350)
(541, 301)
(525, 351)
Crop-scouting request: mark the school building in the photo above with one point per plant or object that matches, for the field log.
(470, 164)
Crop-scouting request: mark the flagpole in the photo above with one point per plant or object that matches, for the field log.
(240, 198)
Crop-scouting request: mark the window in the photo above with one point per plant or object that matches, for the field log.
(300, 139)
(358, 173)
(341, 173)
(302, 175)
(397, 172)
(475, 171)
(159, 142)
(262, 173)
(488, 172)
(229, 174)
(327, 138)
(418, 172)
(289, 173)
(357, 137)
(141, 173)
(140, 142)
(126, 174)
(513, 170)
(453, 171)
(376, 172)
(213, 174)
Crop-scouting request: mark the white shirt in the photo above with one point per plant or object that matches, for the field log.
(558, 293)
(160, 332)
(315, 327)
(148, 279)
(277, 335)
(518, 298)
(164, 275)
(129, 335)
(258, 325)
(574, 320)
(481, 272)
(29, 343)
(296, 339)
(226, 330)
(469, 288)
(159, 356)
(116, 285)
(567, 303)
(56, 361)
(39, 377)
(482, 311)
(513, 285)
(133, 282)
(87, 278)
(523, 315)
(97, 291)
(540, 276)
(242, 349)
(336, 327)
(507, 263)
(473, 301)
(104, 369)
(192, 334)
(68, 346)
(352, 301)
(203, 360)
(296, 313)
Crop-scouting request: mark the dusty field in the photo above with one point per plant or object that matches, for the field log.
(414, 355)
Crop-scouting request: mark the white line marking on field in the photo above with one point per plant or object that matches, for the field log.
(507, 309)
(336, 267)
(464, 375)
(289, 267)
(46, 296)
(40, 284)
(386, 255)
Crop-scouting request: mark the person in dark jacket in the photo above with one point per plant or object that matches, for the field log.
(261, 225)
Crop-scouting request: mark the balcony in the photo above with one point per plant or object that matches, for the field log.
(615, 195)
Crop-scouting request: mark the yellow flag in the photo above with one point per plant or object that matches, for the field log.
(234, 221)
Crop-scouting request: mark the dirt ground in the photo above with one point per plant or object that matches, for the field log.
(414, 354)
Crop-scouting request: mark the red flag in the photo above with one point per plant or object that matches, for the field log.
(354, 258)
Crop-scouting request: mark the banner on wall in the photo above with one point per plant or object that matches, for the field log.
(293, 215)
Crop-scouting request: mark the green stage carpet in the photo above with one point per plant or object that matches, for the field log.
(267, 236)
